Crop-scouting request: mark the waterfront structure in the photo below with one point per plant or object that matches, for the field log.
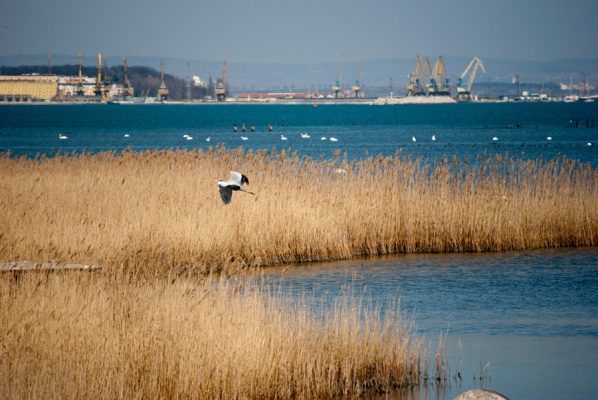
(221, 92)
(24, 88)
(162, 90)
(76, 86)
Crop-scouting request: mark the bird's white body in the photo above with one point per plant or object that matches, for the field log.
(549, 138)
(323, 138)
(244, 138)
(283, 137)
(185, 136)
(62, 136)
(333, 139)
(589, 143)
(413, 139)
(305, 135)
(495, 139)
(234, 183)
(126, 135)
(433, 138)
(208, 139)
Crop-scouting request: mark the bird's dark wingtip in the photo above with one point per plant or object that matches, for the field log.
(244, 179)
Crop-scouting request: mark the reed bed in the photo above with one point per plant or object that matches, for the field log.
(160, 212)
(74, 336)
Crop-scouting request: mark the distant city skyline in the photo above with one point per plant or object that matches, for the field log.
(274, 31)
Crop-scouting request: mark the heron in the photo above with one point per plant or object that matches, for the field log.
(234, 183)
(62, 136)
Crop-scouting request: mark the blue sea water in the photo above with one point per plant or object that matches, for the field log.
(531, 317)
(463, 130)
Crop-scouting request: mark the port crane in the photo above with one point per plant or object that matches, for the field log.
(80, 90)
(418, 76)
(415, 78)
(357, 89)
(128, 88)
(162, 90)
(337, 88)
(465, 85)
(221, 83)
(99, 86)
(106, 82)
(439, 83)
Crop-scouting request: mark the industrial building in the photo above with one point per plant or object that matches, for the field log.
(24, 88)
(73, 86)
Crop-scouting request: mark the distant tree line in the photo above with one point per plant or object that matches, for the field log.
(145, 80)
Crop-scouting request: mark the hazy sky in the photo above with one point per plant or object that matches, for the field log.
(302, 30)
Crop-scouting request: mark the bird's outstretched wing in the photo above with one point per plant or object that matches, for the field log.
(226, 194)
(236, 177)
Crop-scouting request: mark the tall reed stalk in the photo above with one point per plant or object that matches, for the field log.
(92, 336)
(161, 212)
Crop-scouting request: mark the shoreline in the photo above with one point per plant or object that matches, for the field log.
(381, 101)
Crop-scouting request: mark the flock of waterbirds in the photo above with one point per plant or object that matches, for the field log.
(304, 135)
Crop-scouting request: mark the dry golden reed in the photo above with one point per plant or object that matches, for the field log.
(75, 336)
(161, 212)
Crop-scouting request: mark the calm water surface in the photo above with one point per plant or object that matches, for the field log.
(464, 130)
(532, 315)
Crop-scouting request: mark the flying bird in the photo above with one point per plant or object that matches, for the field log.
(234, 183)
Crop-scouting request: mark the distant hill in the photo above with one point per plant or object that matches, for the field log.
(314, 76)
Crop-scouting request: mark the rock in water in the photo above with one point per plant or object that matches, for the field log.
(481, 394)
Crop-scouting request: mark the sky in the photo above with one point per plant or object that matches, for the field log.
(285, 31)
